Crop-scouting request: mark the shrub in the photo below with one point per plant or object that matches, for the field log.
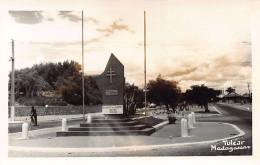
(149, 120)
(172, 119)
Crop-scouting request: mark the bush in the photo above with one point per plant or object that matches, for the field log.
(172, 119)
(151, 121)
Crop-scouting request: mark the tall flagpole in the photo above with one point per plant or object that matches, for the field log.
(12, 86)
(145, 64)
(83, 94)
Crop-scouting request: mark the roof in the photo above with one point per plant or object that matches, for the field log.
(232, 94)
(221, 95)
(246, 95)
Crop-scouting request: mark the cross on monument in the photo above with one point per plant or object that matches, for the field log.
(111, 73)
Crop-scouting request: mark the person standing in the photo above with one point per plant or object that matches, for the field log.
(34, 116)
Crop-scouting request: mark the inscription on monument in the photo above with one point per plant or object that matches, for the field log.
(112, 109)
(111, 92)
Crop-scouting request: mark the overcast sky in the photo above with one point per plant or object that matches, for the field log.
(202, 42)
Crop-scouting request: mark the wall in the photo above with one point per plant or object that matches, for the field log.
(55, 110)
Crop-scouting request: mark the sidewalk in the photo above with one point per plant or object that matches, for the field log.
(204, 132)
(21, 119)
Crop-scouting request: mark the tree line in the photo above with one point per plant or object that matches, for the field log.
(165, 92)
(62, 80)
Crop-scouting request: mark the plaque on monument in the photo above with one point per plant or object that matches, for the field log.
(111, 92)
(112, 109)
(111, 85)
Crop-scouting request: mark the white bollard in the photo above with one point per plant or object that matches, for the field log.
(193, 117)
(190, 121)
(89, 119)
(25, 127)
(64, 124)
(12, 113)
(184, 128)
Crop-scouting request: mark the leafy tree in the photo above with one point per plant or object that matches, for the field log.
(133, 98)
(28, 81)
(63, 79)
(57, 74)
(230, 90)
(201, 95)
(164, 91)
(72, 91)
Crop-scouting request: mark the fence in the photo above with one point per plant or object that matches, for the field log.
(55, 110)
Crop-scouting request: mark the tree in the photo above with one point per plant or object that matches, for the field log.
(164, 91)
(201, 95)
(230, 90)
(28, 81)
(63, 79)
(133, 98)
(72, 91)
(57, 74)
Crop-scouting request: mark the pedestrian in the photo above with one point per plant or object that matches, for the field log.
(34, 116)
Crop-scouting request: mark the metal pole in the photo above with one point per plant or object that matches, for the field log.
(145, 63)
(12, 85)
(83, 95)
(248, 89)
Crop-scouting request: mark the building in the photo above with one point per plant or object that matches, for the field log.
(232, 97)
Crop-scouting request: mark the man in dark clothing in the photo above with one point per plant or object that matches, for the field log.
(34, 116)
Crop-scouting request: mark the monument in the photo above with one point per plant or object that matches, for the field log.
(111, 85)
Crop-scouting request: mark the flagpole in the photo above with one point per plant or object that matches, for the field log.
(145, 64)
(83, 94)
(12, 86)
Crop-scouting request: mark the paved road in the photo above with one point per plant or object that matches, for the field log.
(242, 119)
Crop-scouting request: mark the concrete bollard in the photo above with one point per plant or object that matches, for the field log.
(64, 124)
(89, 119)
(184, 128)
(25, 127)
(193, 117)
(190, 121)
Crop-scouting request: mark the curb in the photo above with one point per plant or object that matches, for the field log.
(15, 122)
(161, 125)
(127, 148)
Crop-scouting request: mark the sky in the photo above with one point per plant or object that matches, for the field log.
(193, 43)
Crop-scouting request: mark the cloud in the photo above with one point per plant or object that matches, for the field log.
(115, 26)
(92, 20)
(56, 43)
(27, 17)
(74, 18)
(68, 15)
(66, 43)
(246, 42)
(181, 73)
